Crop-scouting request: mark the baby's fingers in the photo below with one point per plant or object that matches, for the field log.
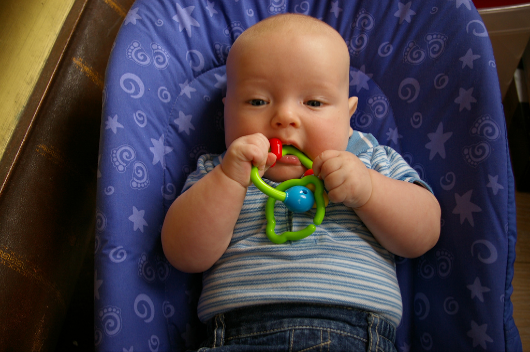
(322, 166)
(242, 154)
(256, 155)
(271, 159)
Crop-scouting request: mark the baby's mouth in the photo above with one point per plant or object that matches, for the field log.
(276, 148)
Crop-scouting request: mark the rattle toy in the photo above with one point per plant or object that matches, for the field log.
(293, 193)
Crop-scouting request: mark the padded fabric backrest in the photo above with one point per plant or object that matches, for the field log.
(426, 80)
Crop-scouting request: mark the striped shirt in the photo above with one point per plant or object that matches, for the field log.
(341, 263)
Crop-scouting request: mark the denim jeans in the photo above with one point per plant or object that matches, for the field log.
(299, 327)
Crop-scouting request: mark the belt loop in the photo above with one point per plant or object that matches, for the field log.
(373, 332)
(219, 331)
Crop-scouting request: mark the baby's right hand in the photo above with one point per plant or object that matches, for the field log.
(245, 152)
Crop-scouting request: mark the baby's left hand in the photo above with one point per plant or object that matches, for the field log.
(345, 177)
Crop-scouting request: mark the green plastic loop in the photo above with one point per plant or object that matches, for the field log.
(317, 220)
(279, 194)
(270, 191)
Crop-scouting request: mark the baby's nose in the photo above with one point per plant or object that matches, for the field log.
(285, 116)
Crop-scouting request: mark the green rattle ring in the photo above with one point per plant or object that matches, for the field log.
(293, 194)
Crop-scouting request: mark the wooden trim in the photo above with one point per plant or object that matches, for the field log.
(49, 72)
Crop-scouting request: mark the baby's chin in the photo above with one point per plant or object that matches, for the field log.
(282, 172)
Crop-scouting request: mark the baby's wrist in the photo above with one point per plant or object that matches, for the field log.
(369, 190)
(227, 176)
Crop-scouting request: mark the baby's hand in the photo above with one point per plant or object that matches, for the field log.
(345, 177)
(245, 152)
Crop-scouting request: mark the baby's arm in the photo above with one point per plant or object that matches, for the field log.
(199, 224)
(403, 217)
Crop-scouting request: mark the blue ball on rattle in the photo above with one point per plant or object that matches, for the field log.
(299, 199)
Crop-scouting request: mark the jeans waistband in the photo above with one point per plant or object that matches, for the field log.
(274, 317)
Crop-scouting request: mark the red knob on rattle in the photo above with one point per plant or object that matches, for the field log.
(309, 172)
(276, 148)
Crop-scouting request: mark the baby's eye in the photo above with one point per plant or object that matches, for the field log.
(314, 103)
(257, 102)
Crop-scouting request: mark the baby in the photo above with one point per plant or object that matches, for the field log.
(288, 78)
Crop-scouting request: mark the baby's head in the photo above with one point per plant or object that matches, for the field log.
(288, 77)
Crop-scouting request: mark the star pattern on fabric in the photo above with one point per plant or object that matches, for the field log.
(477, 290)
(211, 10)
(188, 336)
(405, 347)
(221, 81)
(360, 78)
(113, 124)
(184, 19)
(335, 9)
(97, 285)
(159, 150)
(131, 349)
(464, 2)
(493, 184)
(467, 60)
(186, 89)
(132, 16)
(465, 98)
(437, 143)
(404, 13)
(478, 334)
(393, 135)
(191, 293)
(465, 208)
(138, 220)
(184, 123)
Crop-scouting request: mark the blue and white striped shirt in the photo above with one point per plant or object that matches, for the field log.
(341, 263)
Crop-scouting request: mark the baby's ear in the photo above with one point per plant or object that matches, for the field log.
(352, 104)
(224, 100)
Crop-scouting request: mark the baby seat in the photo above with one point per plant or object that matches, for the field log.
(425, 76)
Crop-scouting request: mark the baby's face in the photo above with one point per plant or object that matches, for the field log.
(294, 88)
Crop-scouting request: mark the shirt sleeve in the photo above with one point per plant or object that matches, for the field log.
(205, 164)
(388, 162)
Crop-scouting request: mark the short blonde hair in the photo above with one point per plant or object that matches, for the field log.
(289, 24)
